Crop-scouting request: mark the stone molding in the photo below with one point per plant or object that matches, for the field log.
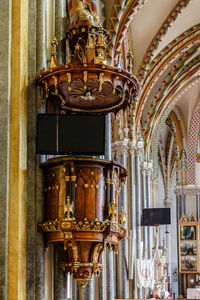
(187, 190)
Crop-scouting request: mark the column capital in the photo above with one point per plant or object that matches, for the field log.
(143, 167)
(149, 169)
(131, 146)
(121, 147)
(146, 168)
(139, 148)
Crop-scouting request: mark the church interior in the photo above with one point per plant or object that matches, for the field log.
(99, 149)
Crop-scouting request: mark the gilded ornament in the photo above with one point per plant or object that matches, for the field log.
(54, 44)
(68, 235)
(101, 75)
(83, 281)
(73, 178)
(84, 16)
(85, 79)
(112, 210)
(122, 216)
(69, 79)
(68, 209)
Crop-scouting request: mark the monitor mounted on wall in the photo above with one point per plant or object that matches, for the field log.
(71, 134)
(155, 216)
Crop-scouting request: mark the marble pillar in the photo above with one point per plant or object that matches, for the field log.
(102, 278)
(132, 218)
(17, 196)
(138, 151)
(143, 166)
(75, 290)
(5, 39)
(60, 280)
(110, 293)
(123, 284)
(149, 171)
(39, 181)
(60, 29)
(89, 291)
(31, 164)
(107, 276)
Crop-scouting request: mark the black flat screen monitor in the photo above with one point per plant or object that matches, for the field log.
(156, 216)
(71, 134)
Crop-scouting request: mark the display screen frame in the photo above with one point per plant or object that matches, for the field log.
(156, 216)
(91, 142)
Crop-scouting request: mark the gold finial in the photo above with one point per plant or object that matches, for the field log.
(54, 44)
(112, 210)
(68, 209)
(130, 61)
(122, 216)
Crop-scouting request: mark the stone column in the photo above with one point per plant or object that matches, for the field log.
(102, 278)
(121, 148)
(17, 145)
(75, 290)
(110, 292)
(143, 166)
(107, 277)
(89, 291)
(132, 218)
(39, 190)
(138, 152)
(60, 29)
(5, 38)
(149, 171)
(60, 289)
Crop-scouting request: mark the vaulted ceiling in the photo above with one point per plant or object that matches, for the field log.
(165, 40)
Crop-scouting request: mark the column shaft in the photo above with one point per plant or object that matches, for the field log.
(39, 184)
(149, 229)
(89, 291)
(144, 205)
(60, 29)
(138, 212)
(123, 251)
(16, 276)
(110, 294)
(5, 38)
(60, 289)
(108, 284)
